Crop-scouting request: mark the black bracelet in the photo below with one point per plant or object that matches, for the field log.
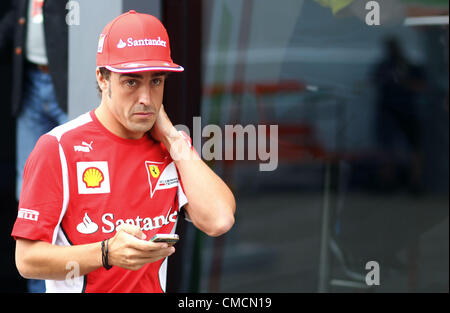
(105, 255)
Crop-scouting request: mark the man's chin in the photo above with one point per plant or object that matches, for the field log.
(140, 128)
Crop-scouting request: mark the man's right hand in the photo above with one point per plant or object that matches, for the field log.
(129, 249)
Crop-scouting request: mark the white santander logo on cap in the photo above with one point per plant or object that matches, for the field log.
(121, 44)
(141, 42)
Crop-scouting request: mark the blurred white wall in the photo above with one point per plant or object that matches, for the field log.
(83, 40)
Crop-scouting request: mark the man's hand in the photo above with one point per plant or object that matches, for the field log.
(129, 249)
(163, 127)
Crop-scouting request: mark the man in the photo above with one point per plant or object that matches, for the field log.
(36, 32)
(399, 84)
(97, 188)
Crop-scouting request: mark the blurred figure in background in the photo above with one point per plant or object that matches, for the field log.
(380, 234)
(399, 84)
(35, 32)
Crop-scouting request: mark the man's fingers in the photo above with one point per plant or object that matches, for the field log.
(148, 256)
(141, 258)
(132, 230)
(144, 245)
(136, 238)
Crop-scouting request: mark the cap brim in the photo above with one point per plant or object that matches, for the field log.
(143, 66)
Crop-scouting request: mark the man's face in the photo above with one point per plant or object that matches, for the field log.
(133, 101)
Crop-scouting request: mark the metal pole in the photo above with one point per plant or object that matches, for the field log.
(324, 268)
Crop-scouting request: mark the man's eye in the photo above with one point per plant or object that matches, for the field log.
(156, 81)
(131, 83)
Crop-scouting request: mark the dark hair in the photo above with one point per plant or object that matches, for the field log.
(106, 74)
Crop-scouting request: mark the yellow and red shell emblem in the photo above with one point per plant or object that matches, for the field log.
(93, 177)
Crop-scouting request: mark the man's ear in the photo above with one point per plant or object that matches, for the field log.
(101, 81)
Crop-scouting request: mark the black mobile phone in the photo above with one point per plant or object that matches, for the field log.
(168, 238)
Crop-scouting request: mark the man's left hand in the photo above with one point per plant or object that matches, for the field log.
(163, 127)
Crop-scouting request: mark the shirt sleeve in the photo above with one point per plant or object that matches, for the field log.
(41, 198)
(182, 199)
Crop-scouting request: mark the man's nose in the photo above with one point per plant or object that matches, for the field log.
(145, 96)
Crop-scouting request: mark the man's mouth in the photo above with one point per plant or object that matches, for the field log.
(143, 114)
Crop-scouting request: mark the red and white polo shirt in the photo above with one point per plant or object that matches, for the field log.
(81, 182)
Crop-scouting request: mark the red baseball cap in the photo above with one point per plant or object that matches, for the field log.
(135, 42)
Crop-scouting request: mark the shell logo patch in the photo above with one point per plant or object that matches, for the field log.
(93, 177)
(154, 170)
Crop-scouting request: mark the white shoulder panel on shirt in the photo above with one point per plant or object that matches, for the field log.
(64, 128)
